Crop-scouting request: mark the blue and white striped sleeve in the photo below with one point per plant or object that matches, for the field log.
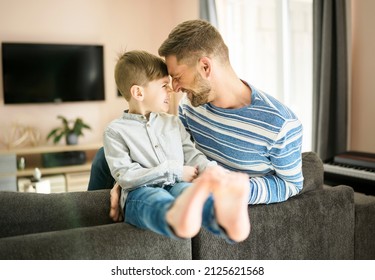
(285, 156)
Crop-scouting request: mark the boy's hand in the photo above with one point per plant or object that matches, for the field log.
(189, 173)
(115, 211)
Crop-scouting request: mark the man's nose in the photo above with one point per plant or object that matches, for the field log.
(176, 87)
(170, 90)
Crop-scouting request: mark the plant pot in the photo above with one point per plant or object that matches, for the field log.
(71, 139)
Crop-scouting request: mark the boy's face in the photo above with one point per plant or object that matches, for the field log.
(157, 95)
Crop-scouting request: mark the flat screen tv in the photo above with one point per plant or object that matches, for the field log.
(52, 73)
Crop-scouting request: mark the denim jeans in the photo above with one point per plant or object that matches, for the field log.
(146, 208)
(100, 176)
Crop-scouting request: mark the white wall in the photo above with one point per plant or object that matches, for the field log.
(116, 24)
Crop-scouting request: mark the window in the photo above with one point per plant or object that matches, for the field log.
(270, 46)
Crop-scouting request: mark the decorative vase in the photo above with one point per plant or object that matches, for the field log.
(72, 139)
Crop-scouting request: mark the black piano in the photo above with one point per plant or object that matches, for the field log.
(355, 169)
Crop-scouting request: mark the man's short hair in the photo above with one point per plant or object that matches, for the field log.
(193, 39)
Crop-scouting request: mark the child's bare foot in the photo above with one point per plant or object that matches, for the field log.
(185, 215)
(231, 194)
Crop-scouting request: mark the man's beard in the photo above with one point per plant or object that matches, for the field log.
(200, 95)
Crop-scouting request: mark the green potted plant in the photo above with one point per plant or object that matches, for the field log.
(70, 129)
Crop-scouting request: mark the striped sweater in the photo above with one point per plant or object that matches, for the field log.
(263, 140)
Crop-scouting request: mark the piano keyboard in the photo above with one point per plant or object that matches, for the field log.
(351, 171)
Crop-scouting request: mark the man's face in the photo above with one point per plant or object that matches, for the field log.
(189, 80)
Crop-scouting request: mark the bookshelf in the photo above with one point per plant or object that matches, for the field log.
(76, 177)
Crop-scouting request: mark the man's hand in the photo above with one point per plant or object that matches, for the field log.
(115, 212)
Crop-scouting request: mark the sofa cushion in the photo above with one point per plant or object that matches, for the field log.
(318, 224)
(118, 241)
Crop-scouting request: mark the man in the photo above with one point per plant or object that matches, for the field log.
(231, 122)
(155, 162)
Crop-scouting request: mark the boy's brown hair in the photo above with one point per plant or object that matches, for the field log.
(192, 39)
(138, 68)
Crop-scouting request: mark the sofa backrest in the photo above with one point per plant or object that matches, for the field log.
(313, 172)
(25, 213)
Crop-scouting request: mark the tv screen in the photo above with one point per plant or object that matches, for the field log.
(50, 73)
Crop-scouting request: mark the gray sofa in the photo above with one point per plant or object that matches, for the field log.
(320, 223)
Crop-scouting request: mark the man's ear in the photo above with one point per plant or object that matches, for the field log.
(137, 92)
(205, 65)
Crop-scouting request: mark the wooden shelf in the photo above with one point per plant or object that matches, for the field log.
(51, 149)
(55, 170)
(78, 175)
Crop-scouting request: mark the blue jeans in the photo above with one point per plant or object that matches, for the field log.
(146, 208)
(100, 176)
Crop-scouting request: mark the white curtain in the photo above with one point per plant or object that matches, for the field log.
(270, 46)
(207, 11)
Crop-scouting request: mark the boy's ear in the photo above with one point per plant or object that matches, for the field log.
(137, 92)
(205, 65)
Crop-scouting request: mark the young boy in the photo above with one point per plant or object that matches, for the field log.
(168, 186)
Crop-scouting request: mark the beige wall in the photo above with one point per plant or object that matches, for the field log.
(116, 24)
(131, 24)
(362, 120)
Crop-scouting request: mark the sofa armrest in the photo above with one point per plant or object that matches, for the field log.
(364, 227)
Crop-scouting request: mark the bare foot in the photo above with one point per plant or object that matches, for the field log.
(231, 194)
(185, 215)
